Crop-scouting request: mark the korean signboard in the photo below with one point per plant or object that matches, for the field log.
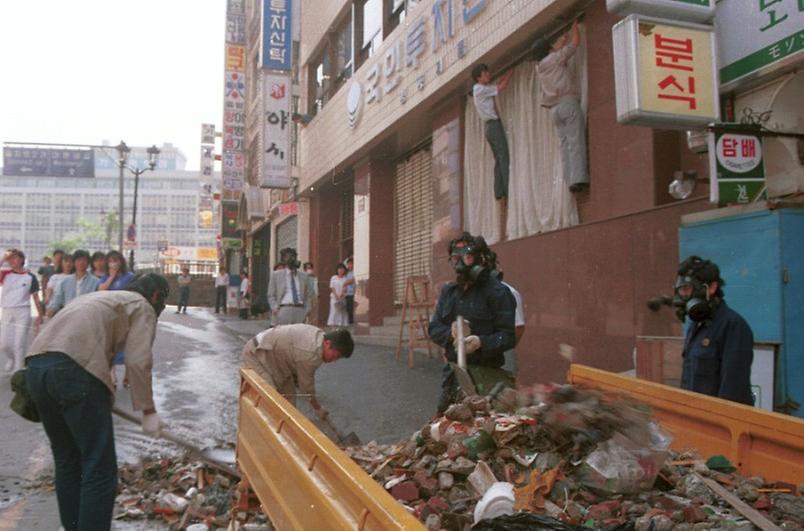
(208, 134)
(431, 32)
(665, 73)
(207, 164)
(276, 131)
(757, 37)
(47, 162)
(230, 234)
(235, 57)
(737, 167)
(691, 10)
(235, 27)
(234, 171)
(277, 39)
(130, 241)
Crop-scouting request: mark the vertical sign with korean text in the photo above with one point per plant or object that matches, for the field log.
(756, 37)
(276, 131)
(737, 167)
(277, 39)
(205, 193)
(233, 133)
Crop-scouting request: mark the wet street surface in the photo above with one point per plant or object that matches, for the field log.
(197, 358)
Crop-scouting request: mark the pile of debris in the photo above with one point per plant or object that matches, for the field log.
(561, 457)
(185, 494)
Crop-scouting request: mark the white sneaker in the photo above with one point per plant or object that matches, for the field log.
(9, 365)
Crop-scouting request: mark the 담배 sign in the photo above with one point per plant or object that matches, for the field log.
(737, 168)
(665, 73)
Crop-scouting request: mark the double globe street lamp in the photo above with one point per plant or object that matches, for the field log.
(122, 162)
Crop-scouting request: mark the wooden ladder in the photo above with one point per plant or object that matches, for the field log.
(416, 316)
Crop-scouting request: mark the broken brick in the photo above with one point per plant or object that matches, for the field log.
(406, 491)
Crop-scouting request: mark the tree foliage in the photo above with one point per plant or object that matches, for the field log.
(89, 231)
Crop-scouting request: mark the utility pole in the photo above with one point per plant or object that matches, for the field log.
(122, 151)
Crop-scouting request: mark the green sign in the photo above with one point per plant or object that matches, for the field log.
(737, 166)
(758, 36)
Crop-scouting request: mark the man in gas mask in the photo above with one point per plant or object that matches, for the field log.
(486, 305)
(718, 347)
(289, 290)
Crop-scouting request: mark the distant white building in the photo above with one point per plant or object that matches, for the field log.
(38, 210)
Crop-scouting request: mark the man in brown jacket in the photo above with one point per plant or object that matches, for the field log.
(68, 378)
(287, 357)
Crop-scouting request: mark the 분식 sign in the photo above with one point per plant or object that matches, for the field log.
(665, 73)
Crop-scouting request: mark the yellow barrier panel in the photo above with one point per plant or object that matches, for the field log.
(303, 480)
(757, 442)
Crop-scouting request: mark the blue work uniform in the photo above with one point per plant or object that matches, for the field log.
(717, 356)
(489, 307)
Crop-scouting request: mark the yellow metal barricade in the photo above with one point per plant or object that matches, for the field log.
(757, 442)
(303, 480)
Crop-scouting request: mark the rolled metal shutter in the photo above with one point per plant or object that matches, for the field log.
(286, 234)
(413, 218)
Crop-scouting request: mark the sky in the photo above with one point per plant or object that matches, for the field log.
(85, 71)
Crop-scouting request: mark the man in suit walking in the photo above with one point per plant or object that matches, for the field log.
(289, 291)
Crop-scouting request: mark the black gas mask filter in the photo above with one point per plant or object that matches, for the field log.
(466, 272)
(691, 291)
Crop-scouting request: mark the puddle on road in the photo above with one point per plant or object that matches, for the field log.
(196, 392)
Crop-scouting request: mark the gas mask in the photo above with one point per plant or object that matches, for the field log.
(288, 257)
(695, 301)
(466, 272)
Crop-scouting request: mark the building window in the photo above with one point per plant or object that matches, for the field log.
(371, 17)
(319, 82)
(343, 53)
(398, 11)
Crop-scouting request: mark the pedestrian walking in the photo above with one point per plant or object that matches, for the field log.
(20, 287)
(244, 298)
(337, 297)
(562, 96)
(184, 280)
(79, 283)
(221, 285)
(68, 380)
(288, 356)
(349, 296)
(312, 281)
(288, 290)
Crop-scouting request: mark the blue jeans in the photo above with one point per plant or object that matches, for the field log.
(184, 298)
(76, 412)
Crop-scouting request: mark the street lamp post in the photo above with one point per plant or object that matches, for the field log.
(122, 157)
(153, 157)
(123, 151)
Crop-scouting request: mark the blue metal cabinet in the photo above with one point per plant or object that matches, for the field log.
(761, 257)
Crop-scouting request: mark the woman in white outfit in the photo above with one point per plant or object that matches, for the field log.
(337, 298)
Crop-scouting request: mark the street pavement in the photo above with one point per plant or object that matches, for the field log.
(196, 381)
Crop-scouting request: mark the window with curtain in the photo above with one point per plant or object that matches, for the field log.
(538, 198)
